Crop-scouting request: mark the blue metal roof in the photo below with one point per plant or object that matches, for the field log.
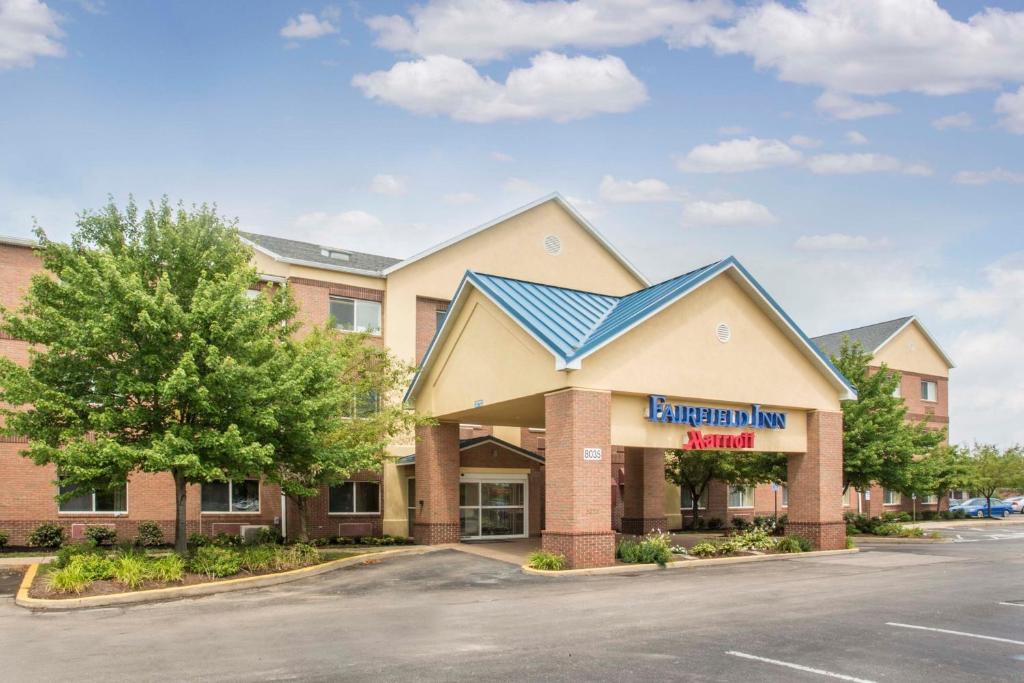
(572, 323)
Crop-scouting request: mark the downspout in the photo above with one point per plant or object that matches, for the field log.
(284, 516)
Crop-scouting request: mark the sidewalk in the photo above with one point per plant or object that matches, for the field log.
(973, 521)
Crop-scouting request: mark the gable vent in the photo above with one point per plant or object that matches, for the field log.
(723, 332)
(553, 245)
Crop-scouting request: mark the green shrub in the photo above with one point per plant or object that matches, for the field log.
(94, 566)
(259, 558)
(149, 534)
(851, 529)
(887, 529)
(705, 549)
(266, 535)
(169, 569)
(69, 579)
(740, 523)
(71, 551)
(3, 541)
(928, 515)
(960, 514)
(754, 539)
(101, 535)
(199, 540)
(224, 540)
(47, 535)
(131, 570)
(896, 517)
(547, 560)
(793, 544)
(911, 532)
(850, 544)
(215, 562)
(714, 523)
(654, 548)
(295, 556)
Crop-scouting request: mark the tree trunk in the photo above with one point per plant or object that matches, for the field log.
(180, 534)
(695, 507)
(300, 504)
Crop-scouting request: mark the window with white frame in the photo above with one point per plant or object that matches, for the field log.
(365, 404)
(846, 497)
(892, 497)
(929, 391)
(355, 315)
(354, 498)
(741, 496)
(231, 496)
(439, 316)
(252, 294)
(785, 496)
(930, 499)
(98, 500)
(687, 499)
(897, 392)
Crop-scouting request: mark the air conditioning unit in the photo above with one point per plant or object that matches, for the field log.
(248, 531)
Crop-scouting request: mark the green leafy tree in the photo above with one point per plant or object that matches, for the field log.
(694, 470)
(990, 469)
(879, 445)
(934, 474)
(147, 355)
(334, 412)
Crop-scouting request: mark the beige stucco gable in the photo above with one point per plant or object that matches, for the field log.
(912, 350)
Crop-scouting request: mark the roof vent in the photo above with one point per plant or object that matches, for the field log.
(331, 253)
(723, 332)
(553, 245)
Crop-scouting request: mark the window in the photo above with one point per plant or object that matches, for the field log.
(356, 315)
(892, 497)
(929, 500)
(846, 497)
(440, 315)
(741, 496)
(687, 503)
(785, 496)
(897, 392)
(355, 498)
(365, 405)
(929, 391)
(252, 294)
(231, 496)
(100, 500)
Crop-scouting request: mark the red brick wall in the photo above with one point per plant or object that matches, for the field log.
(437, 484)
(18, 265)
(815, 483)
(426, 323)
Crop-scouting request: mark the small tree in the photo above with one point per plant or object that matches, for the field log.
(694, 470)
(147, 355)
(334, 412)
(879, 445)
(945, 468)
(990, 469)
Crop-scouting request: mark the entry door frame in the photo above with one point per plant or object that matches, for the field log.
(477, 478)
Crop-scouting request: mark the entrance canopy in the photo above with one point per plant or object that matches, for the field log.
(711, 341)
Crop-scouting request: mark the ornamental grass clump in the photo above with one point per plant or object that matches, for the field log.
(168, 569)
(131, 570)
(547, 561)
(70, 579)
(215, 562)
(295, 556)
(793, 544)
(654, 548)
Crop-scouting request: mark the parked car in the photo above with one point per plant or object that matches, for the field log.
(979, 507)
(1017, 502)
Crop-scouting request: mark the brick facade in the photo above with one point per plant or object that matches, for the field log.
(426, 323)
(577, 504)
(816, 482)
(437, 484)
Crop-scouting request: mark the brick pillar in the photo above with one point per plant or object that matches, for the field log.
(644, 502)
(815, 481)
(437, 484)
(577, 504)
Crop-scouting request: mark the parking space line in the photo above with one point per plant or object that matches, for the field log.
(1013, 604)
(955, 633)
(799, 667)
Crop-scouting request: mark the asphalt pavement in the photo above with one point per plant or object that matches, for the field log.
(938, 612)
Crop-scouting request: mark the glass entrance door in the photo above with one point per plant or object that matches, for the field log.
(493, 507)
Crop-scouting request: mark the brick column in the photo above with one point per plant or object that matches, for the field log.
(644, 502)
(815, 480)
(437, 484)
(577, 501)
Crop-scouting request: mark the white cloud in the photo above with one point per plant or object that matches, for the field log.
(996, 175)
(959, 120)
(481, 30)
(837, 241)
(844, 107)
(856, 138)
(846, 164)
(635, 191)
(386, 184)
(730, 213)
(460, 198)
(804, 141)
(554, 86)
(28, 29)
(307, 26)
(1011, 107)
(875, 47)
(734, 156)
(502, 157)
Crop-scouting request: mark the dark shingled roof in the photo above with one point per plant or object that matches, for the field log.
(870, 336)
(313, 253)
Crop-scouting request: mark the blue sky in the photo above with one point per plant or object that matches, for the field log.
(863, 159)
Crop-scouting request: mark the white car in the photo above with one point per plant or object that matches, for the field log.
(1017, 502)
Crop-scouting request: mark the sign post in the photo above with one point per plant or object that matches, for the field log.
(775, 490)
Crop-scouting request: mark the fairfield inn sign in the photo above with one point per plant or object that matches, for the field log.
(660, 410)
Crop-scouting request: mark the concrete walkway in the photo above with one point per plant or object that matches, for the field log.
(514, 551)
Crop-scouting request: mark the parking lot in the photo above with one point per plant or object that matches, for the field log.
(952, 611)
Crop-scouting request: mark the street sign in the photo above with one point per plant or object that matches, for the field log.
(775, 486)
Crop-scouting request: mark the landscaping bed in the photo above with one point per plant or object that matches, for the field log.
(890, 524)
(84, 570)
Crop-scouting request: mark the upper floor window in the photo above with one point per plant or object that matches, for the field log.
(365, 405)
(440, 315)
(231, 496)
(929, 390)
(100, 500)
(252, 294)
(741, 496)
(356, 315)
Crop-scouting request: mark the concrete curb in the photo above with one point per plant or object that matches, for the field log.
(25, 560)
(685, 564)
(897, 540)
(22, 598)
